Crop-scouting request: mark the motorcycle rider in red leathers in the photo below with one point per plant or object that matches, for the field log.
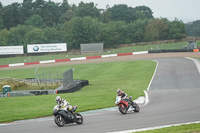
(124, 96)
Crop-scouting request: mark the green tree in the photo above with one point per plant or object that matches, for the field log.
(17, 34)
(193, 28)
(105, 16)
(36, 21)
(112, 33)
(135, 31)
(156, 29)
(25, 11)
(1, 24)
(14, 38)
(51, 13)
(123, 13)
(66, 16)
(81, 30)
(48, 11)
(53, 35)
(177, 30)
(195, 31)
(1, 17)
(11, 15)
(146, 11)
(87, 9)
(4, 37)
(35, 36)
(64, 7)
(1, 6)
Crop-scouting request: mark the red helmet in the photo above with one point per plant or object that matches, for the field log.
(119, 91)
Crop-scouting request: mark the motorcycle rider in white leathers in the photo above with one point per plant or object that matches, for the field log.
(63, 104)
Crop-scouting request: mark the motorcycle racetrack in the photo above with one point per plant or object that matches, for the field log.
(173, 99)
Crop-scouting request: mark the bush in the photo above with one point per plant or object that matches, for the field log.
(17, 85)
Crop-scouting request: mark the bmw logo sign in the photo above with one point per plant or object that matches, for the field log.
(35, 48)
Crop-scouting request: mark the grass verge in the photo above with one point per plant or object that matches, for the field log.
(104, 78)
(191, 128)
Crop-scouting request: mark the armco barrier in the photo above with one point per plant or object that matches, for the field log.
(39, 92)
(77, 85)
(93, 57)
(101, 56)
(4, 66)
(170, 50)
(124, 54)
(74, 59)
(62, 60)
(27, 93)
(20, 94)
(32, 63)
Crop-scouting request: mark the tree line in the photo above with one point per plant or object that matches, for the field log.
(49, 22)
(193, 28)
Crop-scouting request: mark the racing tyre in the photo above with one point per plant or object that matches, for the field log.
(59, 121)
(79, 118)
(123, 109)
(137, 108)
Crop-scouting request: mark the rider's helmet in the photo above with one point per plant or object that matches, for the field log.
(119, 91)
(58, 99)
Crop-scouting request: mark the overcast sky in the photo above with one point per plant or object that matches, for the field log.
(185, 10)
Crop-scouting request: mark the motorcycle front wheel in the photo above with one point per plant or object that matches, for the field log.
(79, 118)
(59, 121)
(123, 109)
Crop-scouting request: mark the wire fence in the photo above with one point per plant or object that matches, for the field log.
(43, 77)
(67, 78)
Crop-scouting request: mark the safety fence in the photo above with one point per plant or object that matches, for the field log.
(66, 82)
(43, 81)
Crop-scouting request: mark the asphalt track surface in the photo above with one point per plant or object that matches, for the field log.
(173, 98)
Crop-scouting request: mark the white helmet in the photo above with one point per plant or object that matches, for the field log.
(58, 99)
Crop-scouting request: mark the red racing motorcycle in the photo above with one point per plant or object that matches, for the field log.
(125, 105)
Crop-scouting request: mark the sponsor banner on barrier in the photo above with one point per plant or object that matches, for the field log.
(6, 50)
(44, 48)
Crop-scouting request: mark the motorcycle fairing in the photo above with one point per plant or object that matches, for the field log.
(122, 102)
(65, 114)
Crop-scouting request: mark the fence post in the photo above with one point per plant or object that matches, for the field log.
(36, 76)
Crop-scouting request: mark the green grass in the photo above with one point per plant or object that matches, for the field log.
(104, 78)
(191, 128)
(124, 49)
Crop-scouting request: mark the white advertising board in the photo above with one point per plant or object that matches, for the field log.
(44, 48)
(6, 50)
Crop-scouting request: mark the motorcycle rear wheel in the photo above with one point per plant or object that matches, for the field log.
(137, 108)
(79, 118)
(123, 110)
(59, 121)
